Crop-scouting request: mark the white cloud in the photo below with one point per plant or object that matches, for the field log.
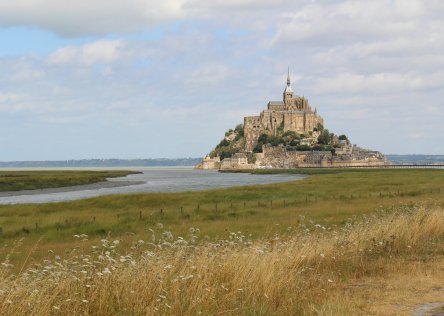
(84, 17)
(6, 97)
(349, 21)
(207, 75)
(379, 83)
(215, 6)
(101, 17)
(97, 52)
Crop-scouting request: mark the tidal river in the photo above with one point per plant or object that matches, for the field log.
(151, 180)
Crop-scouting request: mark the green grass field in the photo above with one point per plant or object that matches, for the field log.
(326, 245)
(32, 180)
(261, 210)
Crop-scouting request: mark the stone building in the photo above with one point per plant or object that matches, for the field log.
(238, 161)
(294, 113)
(209, 163)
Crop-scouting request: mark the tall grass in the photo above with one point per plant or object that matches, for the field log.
(293, 273)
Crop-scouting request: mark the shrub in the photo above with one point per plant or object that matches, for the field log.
(223, 143)
(303, 148)
(258, 148)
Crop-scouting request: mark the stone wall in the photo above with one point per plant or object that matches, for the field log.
(279, 157)
(209, 163)
(237, 162)
(253, 128)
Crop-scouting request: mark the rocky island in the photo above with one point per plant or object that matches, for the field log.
(288, 134)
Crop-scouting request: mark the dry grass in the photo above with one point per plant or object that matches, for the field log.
(306, 271)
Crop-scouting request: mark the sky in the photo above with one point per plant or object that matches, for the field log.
(149, 79)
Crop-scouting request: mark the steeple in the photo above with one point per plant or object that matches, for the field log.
(288, 78)
(288, 92)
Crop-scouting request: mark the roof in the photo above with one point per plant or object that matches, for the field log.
(276, 103)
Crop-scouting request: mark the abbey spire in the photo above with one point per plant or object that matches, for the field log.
(288, 92)
(288, 78)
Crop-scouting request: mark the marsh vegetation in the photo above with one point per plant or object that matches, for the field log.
(326, 245)
(32, 180)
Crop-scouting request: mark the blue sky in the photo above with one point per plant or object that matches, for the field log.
(149, 79)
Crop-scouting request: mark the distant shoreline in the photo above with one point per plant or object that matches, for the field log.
(102, 163)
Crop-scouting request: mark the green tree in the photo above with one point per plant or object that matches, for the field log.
(258, 148)
(275, 140)
(319, 127)
(303, 148)
(344, 137)
(263, 138)
(325, 137)
(239, 129)
(223, 143)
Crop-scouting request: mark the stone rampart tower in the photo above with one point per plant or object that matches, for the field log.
(292, 114)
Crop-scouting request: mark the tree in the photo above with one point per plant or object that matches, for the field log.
(275, 140)
(263, 138)
(239, 129)
(325, 137)
(294, 142)
(223, 143)
(319, 127)
(303, 148)
(258, 148)
(344, 137)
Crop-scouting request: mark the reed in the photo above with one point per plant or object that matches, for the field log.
(308, 270)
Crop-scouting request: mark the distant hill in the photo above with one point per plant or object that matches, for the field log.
(159, 162)
(416, 159)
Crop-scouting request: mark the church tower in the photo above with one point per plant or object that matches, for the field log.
(288, 92)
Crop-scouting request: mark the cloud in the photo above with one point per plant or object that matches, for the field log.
(207, 75)
(82, 17)
(6, 97)
(102, 51)
(101, 17)
(346, 21)
(235, 4)
(380, 83)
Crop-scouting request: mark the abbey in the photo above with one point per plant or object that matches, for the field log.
(294, 113)
(288, 134)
